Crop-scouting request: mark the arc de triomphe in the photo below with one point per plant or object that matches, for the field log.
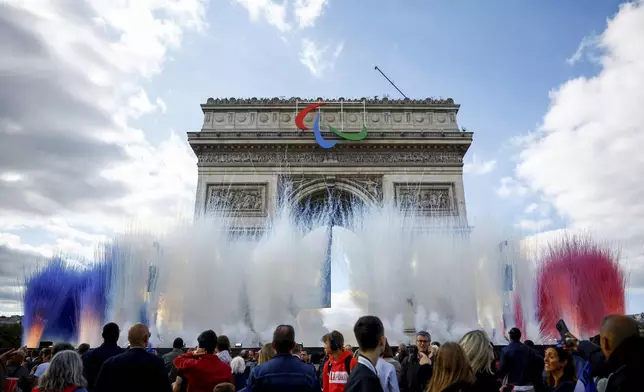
(250, 151)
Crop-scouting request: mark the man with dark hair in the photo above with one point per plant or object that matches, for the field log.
(337, 369)
(520, 365)
(413, 378)
(223, 349)
(283, 373)
(202, 369)
(136, 369)
(370, 334)
(168, 359)
(94, 359)
(83, 348)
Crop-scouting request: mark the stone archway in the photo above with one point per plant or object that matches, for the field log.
(331, 206)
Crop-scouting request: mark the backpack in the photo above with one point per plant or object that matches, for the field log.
(347, 365)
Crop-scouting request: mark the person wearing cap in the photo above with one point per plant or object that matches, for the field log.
(177, 349)
(94, 359)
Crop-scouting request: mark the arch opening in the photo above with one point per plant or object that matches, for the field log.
(330, 206)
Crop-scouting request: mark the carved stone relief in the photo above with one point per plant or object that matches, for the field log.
(370, 185)
(426, 199)
(328, 158)
(237, 199)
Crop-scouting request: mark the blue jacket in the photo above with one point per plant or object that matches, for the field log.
(133, 371)
(283, 373)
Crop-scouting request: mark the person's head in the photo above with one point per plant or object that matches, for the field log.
(559, 365)
(478, 351)
(333, 342)
(437, 344)
(370, 334)
(224, 387)
(245, 355)
(65, 369)
(615, 329)
(62, 347)
(223, 343)
(423, 340)
(138, 335)
(111, 333)
(284, 339)
(515, 335)
(178, 344)
(304, 356)
(529, 343)
(265, 354)
(451, 366)
(388, 352)
(297, 350)
(347, 347)
(83, 348)
(208, 341)
(17, 358)
(238, 365)
(45, 354)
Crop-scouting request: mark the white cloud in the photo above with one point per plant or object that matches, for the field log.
(308, 11)
(533, 225)
(586, 157)
(511, 187)
(71, 165)
(274, 13)
(477, 167)
(317, 59)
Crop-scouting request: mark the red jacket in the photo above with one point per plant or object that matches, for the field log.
(335, 380)
(203, 372)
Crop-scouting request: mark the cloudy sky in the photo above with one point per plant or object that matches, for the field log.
(96, 97)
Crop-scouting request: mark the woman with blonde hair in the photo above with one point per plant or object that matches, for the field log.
(452, 371)
(480, 353)
(265, 354)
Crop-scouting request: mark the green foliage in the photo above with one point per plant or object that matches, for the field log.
(10, 335)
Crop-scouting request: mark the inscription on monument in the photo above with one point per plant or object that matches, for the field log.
(237, 199)
(426, 199)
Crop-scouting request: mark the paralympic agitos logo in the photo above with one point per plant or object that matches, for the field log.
(299, 122)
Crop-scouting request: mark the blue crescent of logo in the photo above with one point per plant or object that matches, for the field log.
(318, 136)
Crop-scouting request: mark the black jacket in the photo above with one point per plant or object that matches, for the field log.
(94, 359)
(413, 376)
(626, 366)
(363, 379)
(133, 371)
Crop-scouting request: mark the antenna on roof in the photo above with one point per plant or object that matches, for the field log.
(389, 80)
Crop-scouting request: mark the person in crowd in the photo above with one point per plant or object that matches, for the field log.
(168, 359)
(480, 354)
(452, 371)
(412, 377)
(623, 349)
(265, 354)
(238, 366)
(202, 368)
(401, 354)
(223, 349)
(40, 370)
(64, 374)
(337, 369)
(370, 334)
(304, 356)
(135, 370)
(297, 350)
(94, 359)
(4, 357)
(15, 365)
(519, 364)
(386, 371)
(82, 349)
(225, 387)
(348, 347)
(560, 370)
(36, 359)
(45, 355)
(388, 356)
(284, 372)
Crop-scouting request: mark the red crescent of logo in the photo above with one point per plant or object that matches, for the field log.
(299, 120)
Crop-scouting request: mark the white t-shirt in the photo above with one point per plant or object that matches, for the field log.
(41, 369)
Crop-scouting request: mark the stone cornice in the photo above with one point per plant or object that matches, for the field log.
(268, 102)
(288, 136)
